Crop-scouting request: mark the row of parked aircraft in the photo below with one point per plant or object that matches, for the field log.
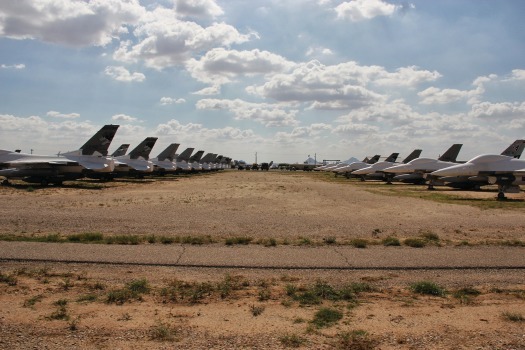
(505, 170)
(92, 160)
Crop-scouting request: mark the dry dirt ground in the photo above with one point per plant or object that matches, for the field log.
(59, 306)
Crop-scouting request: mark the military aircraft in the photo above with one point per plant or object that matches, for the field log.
(90, 158)
(208, 162)
(164, 162)
(194, 161)
(375, 171)
(413, 171)
(137, 161)
(505, 170)
(347, 170)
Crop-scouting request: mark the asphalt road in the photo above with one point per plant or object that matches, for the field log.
(281, 257)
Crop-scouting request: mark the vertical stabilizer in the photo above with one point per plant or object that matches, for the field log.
(415, 154)
(185, 156)
(121, 150)
(515, 149)
(100, 142)
(207, 158)
(451, 154)
(196, 157)
(168, 153)
(392, 158)
(374, 159)
(143, 149)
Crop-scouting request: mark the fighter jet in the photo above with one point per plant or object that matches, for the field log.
(375, 171)
(505, 170)
(208, 162)
(475, 182)
(413, 171)
(194, 160)
(356, 165)
(90, 158)
(121, 150)
(137, 161)
(164, 162)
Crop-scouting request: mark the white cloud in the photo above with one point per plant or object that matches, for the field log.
(499, 111)
(208, 91)
(190, 132)
(360, 10)
(124, 117)
(13, 66)
(71, 23)
(302, 133)
(517, 74)
(56, 114)
(122, 74)
(318, 51)
(405, 76)
(355, 129)
(169, 100)
(267, 114)
(220, 66)
(165, 41)
(198, 8)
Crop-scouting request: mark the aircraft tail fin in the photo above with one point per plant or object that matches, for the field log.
(121, 150)
(207, 158)
(143, 149)
(515, 149)
(392, 158)
(99, 143)
(196, 157)
(185, 156)
(168, 153)
(415, 154)
(374, 159)
(451, 154)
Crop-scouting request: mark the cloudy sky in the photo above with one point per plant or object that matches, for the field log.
(283, 78)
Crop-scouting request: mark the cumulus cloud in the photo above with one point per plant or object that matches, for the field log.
(192, 131)
(318, 51)
(219, 66)
(267, 114)
(517, 74)
(360, 10)
(123, 117)
(56, 114)
(355, 129)
(302, 132)
(122, 74)
(169, 101)
(502, 110)
(70, 23)
(198, 8)
(163, 40)
(208, 91)
(13, 66)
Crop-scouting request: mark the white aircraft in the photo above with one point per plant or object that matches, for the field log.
(208, 162)
(121, 150)
(90, 158)
(194, 161)
(137, 161)
(357, 165)
(413, 171)
(375, 171)
(506, 171)
(164, 162)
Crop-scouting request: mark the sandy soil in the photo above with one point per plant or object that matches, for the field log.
(220, 315)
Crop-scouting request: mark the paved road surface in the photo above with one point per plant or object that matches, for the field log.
(255, 256)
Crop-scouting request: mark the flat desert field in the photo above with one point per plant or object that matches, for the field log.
(361, 279)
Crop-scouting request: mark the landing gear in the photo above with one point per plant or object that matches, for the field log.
(44, 182)
(5, 182)
(501, 196)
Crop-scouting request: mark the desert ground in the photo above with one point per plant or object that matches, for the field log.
(52, 304)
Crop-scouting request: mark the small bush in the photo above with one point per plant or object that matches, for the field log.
(162, 332)
(61, 312)
(138, 286)
(86, 237)
(124, 239)
(513, 316)
(256, 310)
(414, 242)
(119, 296)
(359, 243)
(10, 280)
(151, 239)
(290, 289)
(430, 236)
(326, 317)
(428, 288)
(166, 240)
(196, 240)
(329, 240)
(33, 300)
(270, 242)
(356, 340)
(292, 340)
(391, 242)
(89, 298)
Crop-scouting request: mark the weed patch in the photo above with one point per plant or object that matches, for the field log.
(326, 317)
(427, 288)
(391, 242)
(415, 242)
(292, 340)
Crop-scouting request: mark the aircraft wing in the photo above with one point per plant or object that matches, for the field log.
(36, 162)
(141, 167)
(94, 165)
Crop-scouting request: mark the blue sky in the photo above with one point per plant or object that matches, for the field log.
(285, 79)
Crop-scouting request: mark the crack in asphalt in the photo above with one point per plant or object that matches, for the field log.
(181, 254)
(343, 256)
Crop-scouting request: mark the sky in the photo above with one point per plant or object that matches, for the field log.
(282, 79)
